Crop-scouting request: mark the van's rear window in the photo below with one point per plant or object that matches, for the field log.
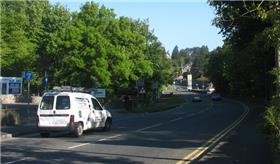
(47, 103)
(62, 102)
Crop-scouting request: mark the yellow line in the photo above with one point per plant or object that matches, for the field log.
(196, 153)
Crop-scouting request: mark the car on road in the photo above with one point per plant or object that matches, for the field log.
(216, 97)
(196, 99)
(71, 111)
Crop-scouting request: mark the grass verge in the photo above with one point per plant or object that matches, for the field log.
(164, 103)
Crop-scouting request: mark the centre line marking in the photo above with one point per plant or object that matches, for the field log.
(108, 138)
(196, 153)
(149, 127)
(176, 119)
(72, 147)
(17, 160)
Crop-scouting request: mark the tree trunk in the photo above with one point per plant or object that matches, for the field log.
(277, 61)
(277, 55)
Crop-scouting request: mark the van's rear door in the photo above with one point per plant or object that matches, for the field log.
(61, 114)
(45, 111)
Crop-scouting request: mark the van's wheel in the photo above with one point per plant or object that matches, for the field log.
(78, 131)
(107, 125)
(44, 134)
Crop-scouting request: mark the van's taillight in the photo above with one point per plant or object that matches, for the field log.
(71, 118)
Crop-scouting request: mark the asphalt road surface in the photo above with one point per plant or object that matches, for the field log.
(180, 135)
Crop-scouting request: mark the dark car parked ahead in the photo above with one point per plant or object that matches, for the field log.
(216, 97)
(196, 99)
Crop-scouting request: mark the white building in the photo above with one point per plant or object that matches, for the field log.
(186, 68)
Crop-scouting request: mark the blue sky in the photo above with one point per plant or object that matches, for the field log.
(186, 23)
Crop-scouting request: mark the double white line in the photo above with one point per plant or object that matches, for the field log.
(213, 141)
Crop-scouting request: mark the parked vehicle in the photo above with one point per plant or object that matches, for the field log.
(196, 99)
(216, 97)
(71, 111)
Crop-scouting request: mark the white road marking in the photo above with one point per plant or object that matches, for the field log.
(72, 147)
(176, 119)
(196, 153)
(149, 127)
(30, 135)
(103, 139)
(108, 138)
(25, 158)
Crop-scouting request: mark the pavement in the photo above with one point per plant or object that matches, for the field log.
(245, 144)
(15, 131)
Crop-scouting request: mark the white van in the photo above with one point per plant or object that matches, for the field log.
(71, 111)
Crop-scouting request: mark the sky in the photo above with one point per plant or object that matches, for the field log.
(185, 23)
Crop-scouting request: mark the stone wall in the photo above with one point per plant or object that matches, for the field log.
(18, 114)
(9, 117)
(8, 99)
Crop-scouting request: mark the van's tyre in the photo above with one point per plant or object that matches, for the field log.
(44, 134)
(107, 125)
(78, 131)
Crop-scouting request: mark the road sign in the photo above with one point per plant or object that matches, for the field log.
(139, 83)
(99, 93)
(27, 75)
(142, 91)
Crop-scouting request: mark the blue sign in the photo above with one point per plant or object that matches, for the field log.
(14, 81)
(100, 93)
(27, 75)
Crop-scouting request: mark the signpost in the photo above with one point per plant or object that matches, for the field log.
(140, 89)
(28, 77)
(46, 80)
(155, 90)
(140, 83)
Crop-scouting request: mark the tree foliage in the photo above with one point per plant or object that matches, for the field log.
(89, 48)
(252, 49)
(196, 57)
(250, 56)
(175, 52)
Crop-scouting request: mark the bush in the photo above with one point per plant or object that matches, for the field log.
(272, 119)
(272, 129)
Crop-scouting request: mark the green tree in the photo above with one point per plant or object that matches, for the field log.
(242, 27)
(175, 52)
(91, 46)
(198, 58)
(17, 50)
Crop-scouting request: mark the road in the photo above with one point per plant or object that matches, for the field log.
(179, 135)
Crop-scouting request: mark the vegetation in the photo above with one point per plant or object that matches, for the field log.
(196, 57)
(89, 48)
(164, 103)
(272, 119)
(241, 67)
